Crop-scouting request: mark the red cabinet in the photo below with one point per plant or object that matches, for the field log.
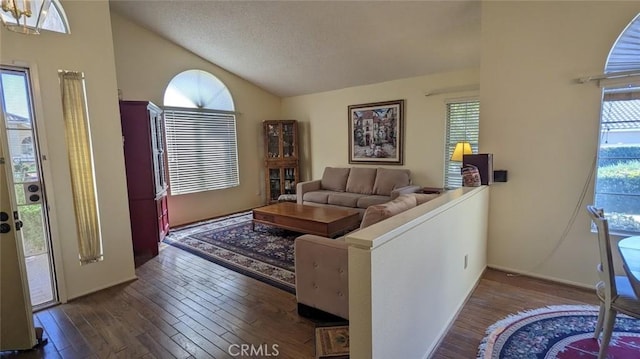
(145, 161)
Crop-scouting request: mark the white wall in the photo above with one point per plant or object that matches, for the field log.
(325, 127)
(407, 275)
(543, 128)
(145, 64)
(89, 48)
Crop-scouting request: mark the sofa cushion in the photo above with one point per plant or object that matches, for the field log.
(317, 196)
(344, 199)
(366, 201)
(389, 179)
(379, 212)
(335, 179)
(361, 180)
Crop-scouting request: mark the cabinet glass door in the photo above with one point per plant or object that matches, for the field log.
(157, 148)
(288, 142)
(274, 184)
(273, 140)
(289, 180)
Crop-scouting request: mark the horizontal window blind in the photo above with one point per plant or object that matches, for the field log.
(463, 125)
(202, 150)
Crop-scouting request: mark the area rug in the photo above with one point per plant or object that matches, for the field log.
(265, 254)
(562, 332)
(332, 342)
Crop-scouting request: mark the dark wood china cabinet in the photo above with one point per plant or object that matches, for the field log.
(281, 158)
(145, 162)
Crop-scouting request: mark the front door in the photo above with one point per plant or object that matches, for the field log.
(25, 178)
(16, 318)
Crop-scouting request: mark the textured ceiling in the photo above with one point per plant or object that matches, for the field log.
(298, 47)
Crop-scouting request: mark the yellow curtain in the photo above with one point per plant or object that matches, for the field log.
(77, 133)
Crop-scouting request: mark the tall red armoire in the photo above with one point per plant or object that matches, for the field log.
(145, 161)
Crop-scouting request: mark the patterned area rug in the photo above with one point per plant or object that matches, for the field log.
(562, 332)
(265, 254)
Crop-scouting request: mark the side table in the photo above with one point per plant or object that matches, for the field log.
(428, 190)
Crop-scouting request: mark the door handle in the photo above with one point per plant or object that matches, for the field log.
(5, 228)
(19, 225)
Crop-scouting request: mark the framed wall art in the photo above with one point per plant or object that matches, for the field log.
(376, 132)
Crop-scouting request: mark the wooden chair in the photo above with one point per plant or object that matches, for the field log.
(614, 291)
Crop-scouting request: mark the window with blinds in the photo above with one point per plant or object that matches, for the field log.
(617, 188)
(201, 150)
(463, 125)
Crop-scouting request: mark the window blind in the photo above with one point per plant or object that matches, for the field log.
(202, 150)
(463, 125)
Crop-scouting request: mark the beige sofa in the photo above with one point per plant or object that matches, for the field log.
(355, 187)
(322, 265)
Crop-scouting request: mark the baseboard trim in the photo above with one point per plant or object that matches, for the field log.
(128, 280)
(540, 276)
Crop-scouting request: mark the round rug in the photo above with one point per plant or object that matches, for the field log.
(558, 332)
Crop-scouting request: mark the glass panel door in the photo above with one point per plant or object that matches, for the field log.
(20, 133)
(288, 141)
(274, 184)
(289, 180)
(273, 140)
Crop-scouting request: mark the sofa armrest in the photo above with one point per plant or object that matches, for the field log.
(403, 190)
(322, 276)
(307, 186)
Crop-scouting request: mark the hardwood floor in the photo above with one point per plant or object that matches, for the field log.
(496, 296)
(183, 306)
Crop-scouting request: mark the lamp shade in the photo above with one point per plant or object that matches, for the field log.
(462, 148)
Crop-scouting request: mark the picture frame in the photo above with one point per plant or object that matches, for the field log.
(376, 133)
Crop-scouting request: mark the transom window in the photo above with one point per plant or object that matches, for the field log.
(200, 125)
(54, 18)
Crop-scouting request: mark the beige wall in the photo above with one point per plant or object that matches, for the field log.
(145, 64)
(89, 49)
(543, 128)
(325, 131)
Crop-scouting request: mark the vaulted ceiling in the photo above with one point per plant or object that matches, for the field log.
(299, 47)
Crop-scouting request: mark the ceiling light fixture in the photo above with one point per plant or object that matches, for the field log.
(24, 16)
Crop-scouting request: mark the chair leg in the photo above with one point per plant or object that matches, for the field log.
(596, 334)
(609, 321)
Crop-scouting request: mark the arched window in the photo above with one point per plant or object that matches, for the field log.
(200, 126)
(52, 18)
(617, 188)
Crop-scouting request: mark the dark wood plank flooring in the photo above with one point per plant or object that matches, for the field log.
(183, 306)
(496, 296)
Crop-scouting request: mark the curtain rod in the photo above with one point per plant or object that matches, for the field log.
(472, 87)
(613, 75)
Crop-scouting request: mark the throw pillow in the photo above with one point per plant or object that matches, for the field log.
(361, 180)
(389, 179)
(334, 179)
(376, 213)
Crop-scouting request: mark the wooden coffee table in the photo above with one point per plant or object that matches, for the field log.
(322, 221)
